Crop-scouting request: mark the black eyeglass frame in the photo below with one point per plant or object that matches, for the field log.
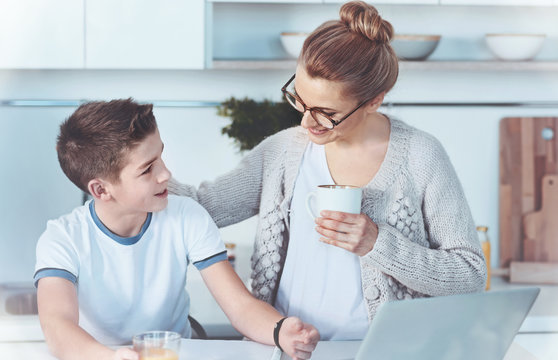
(313, 109)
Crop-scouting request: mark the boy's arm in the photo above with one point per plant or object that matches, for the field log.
(254, 318)
(59, 315)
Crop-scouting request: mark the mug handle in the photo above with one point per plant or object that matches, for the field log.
(309, 198)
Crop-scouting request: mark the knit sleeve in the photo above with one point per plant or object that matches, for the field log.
(235, 196)
(453, 262)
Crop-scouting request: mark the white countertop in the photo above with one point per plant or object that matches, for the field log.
(525, 347)
(543, 316)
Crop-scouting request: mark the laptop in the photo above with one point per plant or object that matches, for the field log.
(479, 326)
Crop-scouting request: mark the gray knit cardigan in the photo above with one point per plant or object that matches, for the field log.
(427, 243)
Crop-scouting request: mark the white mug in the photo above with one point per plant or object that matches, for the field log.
(344, 198)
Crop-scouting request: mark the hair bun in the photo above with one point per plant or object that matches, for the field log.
(363, 18)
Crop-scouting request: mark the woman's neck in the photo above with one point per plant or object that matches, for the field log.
(119, 221)
(369, 132)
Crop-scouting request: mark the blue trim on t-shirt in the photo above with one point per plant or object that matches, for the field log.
(53, 272)
(119, 239)
(202, 264)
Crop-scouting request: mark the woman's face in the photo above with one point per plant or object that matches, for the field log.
(328, 97)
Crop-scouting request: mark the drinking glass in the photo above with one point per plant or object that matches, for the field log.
(157, 345)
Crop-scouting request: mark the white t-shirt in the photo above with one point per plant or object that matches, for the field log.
(130, 285)
(320, 283)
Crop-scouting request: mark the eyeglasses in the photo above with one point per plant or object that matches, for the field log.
(318, 115)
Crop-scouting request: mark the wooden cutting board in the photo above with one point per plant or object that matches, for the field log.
(541, 227)
(525, 158)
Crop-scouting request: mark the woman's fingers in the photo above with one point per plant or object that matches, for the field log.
(335, 225)
(333, 234)
(356, 233)
(339, 243)
(341, 216)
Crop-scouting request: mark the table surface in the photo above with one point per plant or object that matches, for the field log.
(525, 347)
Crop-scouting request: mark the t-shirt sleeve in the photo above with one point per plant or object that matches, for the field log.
(55, 254)
(202, 237)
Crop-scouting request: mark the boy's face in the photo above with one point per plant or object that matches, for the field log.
(144, 178)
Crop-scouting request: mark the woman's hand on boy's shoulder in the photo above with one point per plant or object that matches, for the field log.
(125, 354)
(297, 338)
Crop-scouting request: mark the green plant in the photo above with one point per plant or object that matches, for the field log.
(252, 121)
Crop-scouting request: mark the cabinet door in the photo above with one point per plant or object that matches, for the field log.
(392, 2)
(269, 1)
(145, 34)
(41, 34)
(498, 2)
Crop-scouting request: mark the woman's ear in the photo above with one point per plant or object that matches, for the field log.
(98, 189)
(374, 104)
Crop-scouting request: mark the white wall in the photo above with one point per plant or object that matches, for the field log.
(34, 190)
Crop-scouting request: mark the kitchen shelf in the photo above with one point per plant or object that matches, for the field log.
(470, 65)
(254, 64)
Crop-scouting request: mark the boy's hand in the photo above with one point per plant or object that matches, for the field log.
(298, 339)
(125, 354)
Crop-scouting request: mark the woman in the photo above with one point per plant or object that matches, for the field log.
(415, 236)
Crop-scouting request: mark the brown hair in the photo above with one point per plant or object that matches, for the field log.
(354, 50)
(95, 139)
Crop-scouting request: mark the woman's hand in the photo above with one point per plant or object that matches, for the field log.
(356, 233)
(298, 339)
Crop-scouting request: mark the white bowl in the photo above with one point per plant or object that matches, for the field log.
(292, 42)
(515, 47)
(414, 47)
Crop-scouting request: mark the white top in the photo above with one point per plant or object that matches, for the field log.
(335, 306)
(130, 285)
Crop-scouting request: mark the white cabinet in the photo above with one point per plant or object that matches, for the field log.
(498, 2)
(41, 34)
(420, 2)
(269, 1)
(392, 2)
(145, 34)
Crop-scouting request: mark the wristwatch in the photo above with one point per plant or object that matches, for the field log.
(276, 333)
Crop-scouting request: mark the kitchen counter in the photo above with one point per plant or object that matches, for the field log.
(543, 316)
(539, 347)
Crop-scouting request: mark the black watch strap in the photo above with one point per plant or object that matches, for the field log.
(276, 333)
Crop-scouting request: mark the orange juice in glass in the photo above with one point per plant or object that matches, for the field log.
(157, 345)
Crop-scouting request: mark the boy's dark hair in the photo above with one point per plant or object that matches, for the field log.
(95, 139)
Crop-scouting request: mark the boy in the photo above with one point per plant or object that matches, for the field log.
(116, 266)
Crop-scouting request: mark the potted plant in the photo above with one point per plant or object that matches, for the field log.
(252, 121)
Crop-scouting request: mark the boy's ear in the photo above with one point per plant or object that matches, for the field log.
(374, 104)
(97, 188)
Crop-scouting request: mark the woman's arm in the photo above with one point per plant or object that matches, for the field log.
(254, 318)
(454, 261)
(234, 196)
(59, 315)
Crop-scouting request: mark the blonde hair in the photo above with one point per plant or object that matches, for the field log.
(354, 50)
